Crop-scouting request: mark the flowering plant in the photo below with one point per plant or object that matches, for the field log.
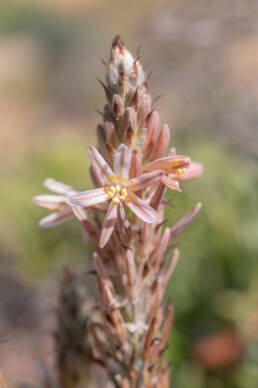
(127, 336)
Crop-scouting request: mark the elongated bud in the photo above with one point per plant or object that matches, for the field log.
(133, 98)
(151, 333)
(170, 268)
(117, 106)
(152, 130)
(162, 143)
(158, 196)
(136, 163)
(181, 224)
(169, 320)
(130, 268)
(104, 147)
(130, 125)
(144, 109)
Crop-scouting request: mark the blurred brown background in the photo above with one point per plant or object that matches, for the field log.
(204, 62)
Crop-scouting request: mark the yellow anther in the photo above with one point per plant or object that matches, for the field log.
(122, 197)
(116, 200)
(180, 171)
(107, 196)
(113, 189)
(124, 179)
(124, 192)
(118, 188)
(111, 194)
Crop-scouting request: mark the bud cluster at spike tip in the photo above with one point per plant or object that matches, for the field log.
(122, 214)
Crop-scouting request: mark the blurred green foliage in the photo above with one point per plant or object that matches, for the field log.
(38, 251)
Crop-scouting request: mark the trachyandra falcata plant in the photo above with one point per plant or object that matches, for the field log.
(123, 215)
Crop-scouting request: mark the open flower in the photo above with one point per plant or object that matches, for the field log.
(176, 169)
(62, 211)
(117, 189)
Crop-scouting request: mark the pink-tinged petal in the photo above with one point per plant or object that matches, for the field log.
(144, 180)
(80, 213)
(168, 163)
(161, 144)
(97, 178)
(142, 209)
(88, 198)
(56, 218)
(59, 187)
(99, 164)
(136, 163)
(158, 196)
(50, 201)
(122, 216)
(152, 129)
(195, 170)
(171, 267)
(108, 224)
(181, 224)
(122, 161)
(172, 151)
(173, 185)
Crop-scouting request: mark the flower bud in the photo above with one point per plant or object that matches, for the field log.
(152, 129)
(117, 106)
(130, 125)
(162, 143)
(123, 71)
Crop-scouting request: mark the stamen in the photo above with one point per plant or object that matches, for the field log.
(122, 197)
(118, 188)
(116, 200)
(111, 194)
(112, 189)
(180, 171)
(124, 192)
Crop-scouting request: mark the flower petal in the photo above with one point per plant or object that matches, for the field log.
(80, 213)
(99, 164)
(56, 218)
(168, 163)
(144, 180)
(174, 185)
(142, 209)
(59, 187)
(88, 198)
(181, 224)
(50, 201)
(122, 216)
(122, 161)
(108, 224)
(195, 170)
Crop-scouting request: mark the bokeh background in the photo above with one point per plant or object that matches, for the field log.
(204, 61)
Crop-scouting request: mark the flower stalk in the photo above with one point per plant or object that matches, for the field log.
(123, 215)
